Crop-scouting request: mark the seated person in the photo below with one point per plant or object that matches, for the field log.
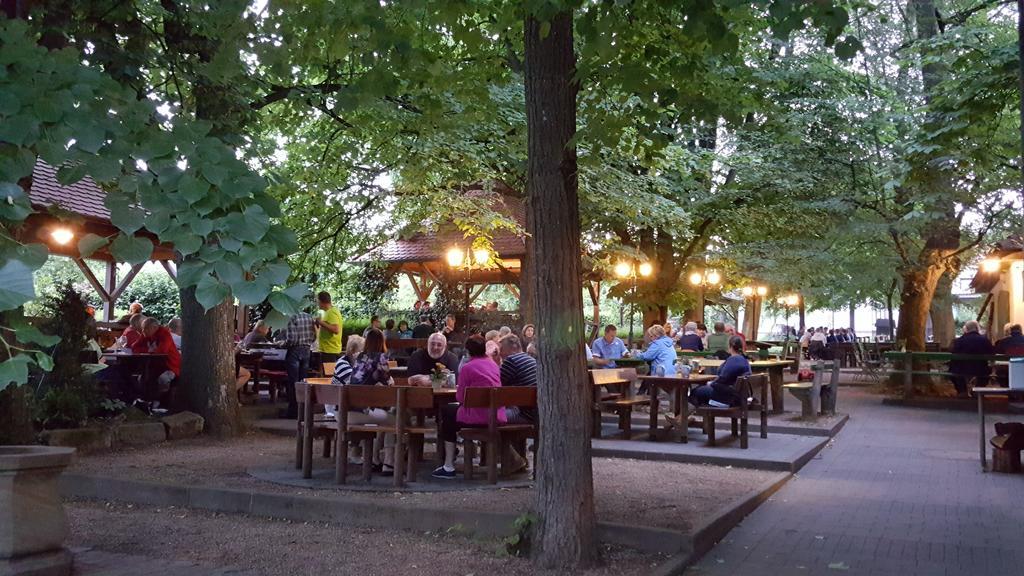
(132, 338)
(403, 330)
(424, 328)
(718, 341)
(517, 369)
(133, 309)
(257, 335)
(450, 330)
(371, 366)
(526, 337)
(175, 327)
(1012, 344)
(661, 352)
(970, 372)
(423, 361)
(389, 330)
(479, 371)
(158, 341)
(492, 337)
(374, 325)
(690, 340)
(723, 388)
(342, 374)
(608, 348)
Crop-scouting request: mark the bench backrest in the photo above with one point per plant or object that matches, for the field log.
(481, 397)
(605, 377)
(328, 368)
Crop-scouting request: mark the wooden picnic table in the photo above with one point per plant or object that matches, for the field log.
(679, 387)
(619, 385)
(776, 376)
(981, 392)
(141, 364)
(252, 360)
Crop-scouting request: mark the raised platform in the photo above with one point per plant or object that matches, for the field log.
(323, 479)
(781, 452)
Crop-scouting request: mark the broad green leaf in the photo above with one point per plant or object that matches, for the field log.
(29, 333)
(210, 292)
(283, 303)
(192, 188)
(276, 320)
(90, 243)
(191, 271)
(126, 217)
(228, 272)
(16, 286)
(14, 203)
(276, 273)
(14, 370)
(131, 249)
(251, 293)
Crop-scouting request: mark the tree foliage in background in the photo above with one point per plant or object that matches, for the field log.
(157, 292)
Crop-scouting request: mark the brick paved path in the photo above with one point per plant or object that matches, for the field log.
(900, 492)
(90, 562)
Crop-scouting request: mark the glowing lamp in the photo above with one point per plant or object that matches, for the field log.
(646, 269)
(990, 265)
(482, 256)
(455, 257)
(696, 278)
(714, 277)
(747, 291)
(762, 290)
(792, 300)
(622, 270)
(62, 235)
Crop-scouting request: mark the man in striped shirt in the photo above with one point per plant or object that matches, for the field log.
(517, 369)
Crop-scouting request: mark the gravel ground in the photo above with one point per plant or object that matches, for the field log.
(272, 548)
(662, 494)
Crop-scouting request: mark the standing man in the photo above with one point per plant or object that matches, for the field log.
(608, 348)
(329, 321)
(298, 336)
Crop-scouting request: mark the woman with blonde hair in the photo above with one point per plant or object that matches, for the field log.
(661, 352)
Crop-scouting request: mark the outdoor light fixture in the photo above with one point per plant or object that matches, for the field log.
(645, 269)
(792, 300)
(482, 256)
(455, 257)
(990, 265)
(696, 278)
(714, 277)
(622, 269)
(762, 290)
(62, 235)
(747, 291)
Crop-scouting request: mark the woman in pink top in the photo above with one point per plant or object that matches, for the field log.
(479, 371)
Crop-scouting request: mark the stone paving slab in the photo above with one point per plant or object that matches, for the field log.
(898, 493)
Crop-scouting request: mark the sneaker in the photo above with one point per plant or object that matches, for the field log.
(440, 472)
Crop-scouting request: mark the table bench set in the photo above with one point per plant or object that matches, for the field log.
(410, 405)
(619, 390)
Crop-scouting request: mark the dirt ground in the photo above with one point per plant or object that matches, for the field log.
(281, 548)
(660, 494)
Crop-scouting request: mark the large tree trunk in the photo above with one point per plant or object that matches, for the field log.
(15, 417)
(565, 489)
(943, 327)
(915, 303)
(208, 363)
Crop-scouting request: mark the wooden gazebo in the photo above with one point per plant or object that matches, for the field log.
(64, 214)
(423, 257)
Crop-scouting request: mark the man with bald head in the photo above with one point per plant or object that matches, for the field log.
(423, 361)
(970, 372)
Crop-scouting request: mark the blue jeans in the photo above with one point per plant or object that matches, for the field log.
(297, 362)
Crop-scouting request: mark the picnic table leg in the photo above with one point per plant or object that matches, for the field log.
(775, 379)
(652, 433)
(307, 434)
(981, 420)
(684, 415)
(595, 412)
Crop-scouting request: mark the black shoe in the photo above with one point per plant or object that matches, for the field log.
(387, 471)
(440, 472)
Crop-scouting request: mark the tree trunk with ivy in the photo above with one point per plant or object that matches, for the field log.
(566, 533)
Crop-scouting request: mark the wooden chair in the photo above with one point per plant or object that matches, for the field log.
(328, 370)
(496, 435)
(403, 399)
(621, 404)
(738, 414)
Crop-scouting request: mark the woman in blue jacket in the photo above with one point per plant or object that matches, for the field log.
(661, 352)
(723, 389)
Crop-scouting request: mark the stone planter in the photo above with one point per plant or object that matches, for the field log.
(32, 522)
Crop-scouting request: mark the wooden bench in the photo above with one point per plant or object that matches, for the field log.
(322, 426)
(738, 414)
(818, 396)
(496, 436)
(620, 402)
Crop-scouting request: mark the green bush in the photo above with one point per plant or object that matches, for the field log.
(62, 408)
(157, 293)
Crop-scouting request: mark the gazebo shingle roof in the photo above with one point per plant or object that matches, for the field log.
(84, 197)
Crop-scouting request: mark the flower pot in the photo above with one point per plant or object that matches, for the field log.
(32, 522)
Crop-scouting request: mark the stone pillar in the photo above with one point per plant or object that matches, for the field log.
(32, 521)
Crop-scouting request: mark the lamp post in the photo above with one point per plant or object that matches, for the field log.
(459, 259)
(630, 271)
(756, 295)
(787, 302)
(701, 280)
